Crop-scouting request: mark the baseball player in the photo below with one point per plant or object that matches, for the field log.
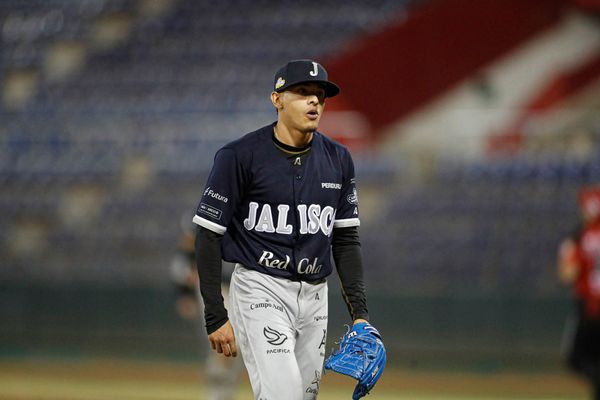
(579, 265)
(222, 374)
(279, 202)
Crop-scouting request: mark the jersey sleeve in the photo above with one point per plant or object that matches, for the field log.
(347, 210)
(221, 194)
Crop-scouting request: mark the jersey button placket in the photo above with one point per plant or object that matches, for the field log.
(297, 194)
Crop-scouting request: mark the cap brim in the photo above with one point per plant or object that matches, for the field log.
(331, 89)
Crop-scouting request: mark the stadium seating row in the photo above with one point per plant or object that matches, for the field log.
(98, 169)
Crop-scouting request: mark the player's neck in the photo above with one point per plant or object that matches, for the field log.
(292, 137)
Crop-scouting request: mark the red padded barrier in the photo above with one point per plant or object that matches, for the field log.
(395, 71)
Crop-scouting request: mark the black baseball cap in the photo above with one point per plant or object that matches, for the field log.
(302, 71)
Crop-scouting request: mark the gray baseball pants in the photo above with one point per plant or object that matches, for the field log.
(280, 328)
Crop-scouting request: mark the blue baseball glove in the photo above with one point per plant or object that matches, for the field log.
(361, 355)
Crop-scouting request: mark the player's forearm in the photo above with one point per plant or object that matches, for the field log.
(348, 261)
(208, 262)
(351, 277)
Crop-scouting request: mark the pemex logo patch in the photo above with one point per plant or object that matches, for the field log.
(274, 337)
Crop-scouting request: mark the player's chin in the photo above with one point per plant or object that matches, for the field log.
(311, 125)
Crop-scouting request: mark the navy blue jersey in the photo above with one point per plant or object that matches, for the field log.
(277, 217)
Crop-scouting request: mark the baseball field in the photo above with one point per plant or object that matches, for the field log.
(120, 379)
(91, 350)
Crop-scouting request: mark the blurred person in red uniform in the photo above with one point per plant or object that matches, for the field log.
(222, 373)
(579, 266)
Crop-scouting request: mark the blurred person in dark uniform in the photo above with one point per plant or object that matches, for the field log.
(579, 266)
(222, 373)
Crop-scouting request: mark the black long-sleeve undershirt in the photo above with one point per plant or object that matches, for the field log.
(208, 262)
(346, 254)
(345, 246)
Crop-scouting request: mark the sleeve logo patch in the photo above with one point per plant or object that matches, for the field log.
(209, 192)
(353, 197)
(212, 212)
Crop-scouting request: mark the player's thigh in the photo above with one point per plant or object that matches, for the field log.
(311, 344)
(266, 338)
(585, 353)
(310, 353)
(261, 302)
(593, 343)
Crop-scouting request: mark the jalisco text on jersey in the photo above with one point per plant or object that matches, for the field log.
(311, 217)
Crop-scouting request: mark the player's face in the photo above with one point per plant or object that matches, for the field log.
(302, 106)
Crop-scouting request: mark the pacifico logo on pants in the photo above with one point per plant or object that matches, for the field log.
(273, 336)
(305, 266)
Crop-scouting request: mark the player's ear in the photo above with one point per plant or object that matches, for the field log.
(276, 100)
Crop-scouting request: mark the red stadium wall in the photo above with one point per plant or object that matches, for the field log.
(557, 90)
(588, 5)
(394, 72)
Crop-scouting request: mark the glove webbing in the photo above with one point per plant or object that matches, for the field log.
(348, 363)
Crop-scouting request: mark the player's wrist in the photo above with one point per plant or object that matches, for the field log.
(216, 325)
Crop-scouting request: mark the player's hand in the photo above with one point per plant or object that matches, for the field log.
(223, 340)
(568, 267)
